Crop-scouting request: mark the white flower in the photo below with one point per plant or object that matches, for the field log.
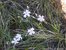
(31, 31)
(26, 13)
(14, 42)
(41, 18)
(16, 39)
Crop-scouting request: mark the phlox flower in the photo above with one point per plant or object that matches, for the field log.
(40, 18)
(31, 31)
(16, 39)
(14, 42)
(26, 13)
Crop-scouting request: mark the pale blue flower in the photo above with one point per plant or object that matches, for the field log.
(41, 18)
(31, 31)
(26, 13)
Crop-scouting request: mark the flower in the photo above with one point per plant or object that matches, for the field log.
(41, 18)
(14, 42)
(26, 13)
(16, 39)
(31, 31)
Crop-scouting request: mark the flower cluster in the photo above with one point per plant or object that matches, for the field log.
(30, 31)
(40, 18)
(27, 14)
(16, 39)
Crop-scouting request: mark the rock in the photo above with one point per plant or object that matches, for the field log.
(63, 3)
